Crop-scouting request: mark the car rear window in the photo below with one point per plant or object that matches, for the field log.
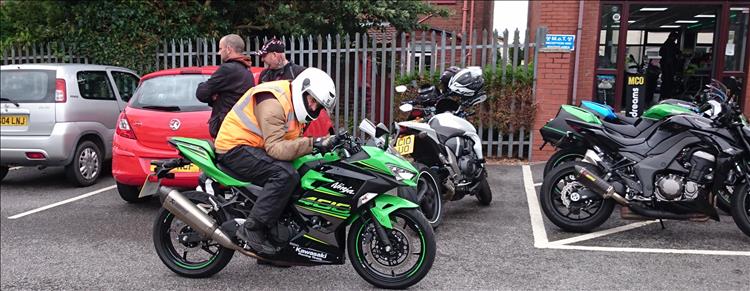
(28, 86)
(170, 93)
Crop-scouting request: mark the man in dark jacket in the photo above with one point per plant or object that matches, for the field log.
(277, 66)
(228, 83)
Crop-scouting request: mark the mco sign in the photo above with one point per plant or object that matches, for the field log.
(634, 95)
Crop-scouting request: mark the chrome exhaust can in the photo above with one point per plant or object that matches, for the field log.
(598, 185)
(195, 217)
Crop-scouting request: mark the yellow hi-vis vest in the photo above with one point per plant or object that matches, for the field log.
(241, 127)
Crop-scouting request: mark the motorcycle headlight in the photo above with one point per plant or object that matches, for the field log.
(400, 173)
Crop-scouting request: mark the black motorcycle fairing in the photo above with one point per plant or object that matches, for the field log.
(647, 168)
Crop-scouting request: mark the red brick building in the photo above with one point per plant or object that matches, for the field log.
(712, 43)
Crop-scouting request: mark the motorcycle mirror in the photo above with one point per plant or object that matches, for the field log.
(406, 107)
(400, 88)
(367, 127)
(381, 130)
(479, 99)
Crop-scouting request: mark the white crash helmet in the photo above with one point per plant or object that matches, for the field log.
(467, 82)
(320, 86)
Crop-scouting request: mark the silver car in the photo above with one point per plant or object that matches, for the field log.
(61, 115)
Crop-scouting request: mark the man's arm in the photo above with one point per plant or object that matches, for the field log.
(272, 121)
(216, 82)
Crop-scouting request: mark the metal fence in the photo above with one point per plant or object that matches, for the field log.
(363, 66)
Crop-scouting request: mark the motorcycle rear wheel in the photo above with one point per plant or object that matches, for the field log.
(562, 156)
(553, 203)
(181, 257)
(399, 268)
(430, 190)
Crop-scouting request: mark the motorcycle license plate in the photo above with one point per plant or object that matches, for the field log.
(191, 168)
(149, 188)
(405, 144)
(14, 120)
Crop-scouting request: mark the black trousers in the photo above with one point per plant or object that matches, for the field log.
(278, 178)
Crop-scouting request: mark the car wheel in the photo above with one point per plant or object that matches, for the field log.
(130, 193)
(86, 166)
(3, 172)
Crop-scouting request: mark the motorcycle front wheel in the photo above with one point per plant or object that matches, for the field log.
(741, 207)
(177, 246)
(405, 263)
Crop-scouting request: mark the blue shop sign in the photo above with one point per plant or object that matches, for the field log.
(561, 41)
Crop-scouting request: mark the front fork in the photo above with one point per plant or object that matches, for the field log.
(382, 234)
(380, 208)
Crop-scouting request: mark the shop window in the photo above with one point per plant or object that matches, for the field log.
(608, 36)
(736, 49)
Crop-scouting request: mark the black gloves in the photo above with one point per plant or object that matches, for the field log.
(324, 144)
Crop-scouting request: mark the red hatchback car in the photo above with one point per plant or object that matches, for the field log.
(163, 106)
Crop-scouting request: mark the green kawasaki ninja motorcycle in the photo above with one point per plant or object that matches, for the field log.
(390, 243)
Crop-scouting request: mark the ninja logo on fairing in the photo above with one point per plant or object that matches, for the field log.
(342, 188)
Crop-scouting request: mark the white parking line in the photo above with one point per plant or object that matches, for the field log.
(542, 242)
(92, 193)
(650, 250)
(537, 223)
(13, 169)
(537, 184)
(594, 235)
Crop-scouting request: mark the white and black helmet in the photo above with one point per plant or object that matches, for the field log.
(467, 82)
(320, 86)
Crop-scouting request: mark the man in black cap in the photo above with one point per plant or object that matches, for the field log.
(277, 66)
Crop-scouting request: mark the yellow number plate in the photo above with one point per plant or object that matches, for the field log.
(192, 168)
(14, 120)
(405, 144)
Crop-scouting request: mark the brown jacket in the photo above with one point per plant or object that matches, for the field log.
(272, 122)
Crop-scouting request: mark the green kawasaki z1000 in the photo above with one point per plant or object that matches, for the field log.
(390, 243)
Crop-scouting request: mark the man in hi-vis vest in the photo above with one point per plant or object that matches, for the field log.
(261, 135)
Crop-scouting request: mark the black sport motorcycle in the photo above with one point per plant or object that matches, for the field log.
(671, 174)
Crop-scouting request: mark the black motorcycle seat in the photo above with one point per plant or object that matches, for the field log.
(626, 119)
(623, 140)
(623, 129)
(444, 132)
(250, 186)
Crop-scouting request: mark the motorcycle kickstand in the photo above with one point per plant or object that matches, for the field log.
(662, 224)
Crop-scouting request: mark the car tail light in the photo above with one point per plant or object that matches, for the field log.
(35, 156)
(123, 127)
(61, 93)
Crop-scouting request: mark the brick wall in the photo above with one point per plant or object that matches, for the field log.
(556, 69)
(552, 85)
(482, 16)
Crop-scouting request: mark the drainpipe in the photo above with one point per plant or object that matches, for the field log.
(471, 23)
(578, 51)
(463, 18)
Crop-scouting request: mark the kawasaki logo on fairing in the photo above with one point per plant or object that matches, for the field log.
(342, 188)
(310, 253)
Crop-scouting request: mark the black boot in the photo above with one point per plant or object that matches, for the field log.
(253, 232)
